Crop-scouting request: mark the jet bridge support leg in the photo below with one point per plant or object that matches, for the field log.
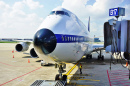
(100, 56)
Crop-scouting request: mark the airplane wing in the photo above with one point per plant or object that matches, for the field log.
(24, 45)
(97, 47)
(27, 41)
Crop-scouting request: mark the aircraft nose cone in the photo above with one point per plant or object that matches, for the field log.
(44, 41)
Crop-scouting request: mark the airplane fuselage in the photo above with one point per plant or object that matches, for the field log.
(62, 37)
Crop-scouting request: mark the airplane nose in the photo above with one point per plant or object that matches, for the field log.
(44, 41)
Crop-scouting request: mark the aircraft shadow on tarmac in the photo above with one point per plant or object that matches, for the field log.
(38, 61)
(27, 57)
(48, 65)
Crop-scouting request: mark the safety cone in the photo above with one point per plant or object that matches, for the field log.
(13, 51)
(28, 61)
(13, 56)
(126, 63)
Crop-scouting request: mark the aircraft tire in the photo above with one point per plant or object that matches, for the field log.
(87, 56)
(102, 58)
(64, 78)
(91, 56)
(57, 77)
(98, 57)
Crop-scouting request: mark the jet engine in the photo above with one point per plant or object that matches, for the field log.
(21, 47)
(33, 53)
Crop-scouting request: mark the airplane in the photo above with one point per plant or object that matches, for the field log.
(61, 38)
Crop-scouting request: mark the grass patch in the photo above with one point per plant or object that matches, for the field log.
(98, 42)
(8, 42)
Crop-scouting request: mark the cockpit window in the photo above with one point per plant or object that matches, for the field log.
(53, 12)
(66, 14)
(59, 13)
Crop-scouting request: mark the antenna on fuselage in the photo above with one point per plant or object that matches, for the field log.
(89, 24)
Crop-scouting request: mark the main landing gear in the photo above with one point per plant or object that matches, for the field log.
(100, 56)
(89, 56)
(61, 70)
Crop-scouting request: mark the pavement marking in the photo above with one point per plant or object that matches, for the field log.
(109, 78)
(84, 85)
(20, 76)
(89, 79)
(72, 68)
(118, 77)
(75, 84)
(81, 75)
(14, 66)
(75, 78)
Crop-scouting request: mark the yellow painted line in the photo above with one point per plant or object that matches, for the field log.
(72, 68)
(84, 85)
(89, 79)
(81, 75)
(74, 77)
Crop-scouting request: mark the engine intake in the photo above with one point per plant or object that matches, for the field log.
(23, 46)
(33, 53)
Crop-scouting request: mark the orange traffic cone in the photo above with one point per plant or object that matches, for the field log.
(13, 56)
(126, 63)
(13, 51)
(28, 61)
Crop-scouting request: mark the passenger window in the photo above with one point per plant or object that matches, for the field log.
(77, 39)
(68, 38)
(72, 38)
(62, 38)
(65, 38)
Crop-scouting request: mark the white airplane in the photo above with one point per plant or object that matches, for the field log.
(61, 38)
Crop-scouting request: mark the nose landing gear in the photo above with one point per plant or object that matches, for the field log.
(61, 70)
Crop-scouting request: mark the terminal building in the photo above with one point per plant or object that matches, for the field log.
(97, 40)
(13, 39)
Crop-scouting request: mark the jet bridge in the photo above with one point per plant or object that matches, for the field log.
(117, 36)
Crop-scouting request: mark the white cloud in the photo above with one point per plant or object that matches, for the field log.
(18, 5)
(99, 12)
(17, 23)
(127, 11)
(4, 6)
(32, 4)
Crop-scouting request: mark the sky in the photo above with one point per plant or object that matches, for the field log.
(21, 18)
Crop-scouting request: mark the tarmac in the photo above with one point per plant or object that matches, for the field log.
(19, 69)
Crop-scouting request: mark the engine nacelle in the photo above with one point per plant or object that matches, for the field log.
(23, 46)
(33, 54)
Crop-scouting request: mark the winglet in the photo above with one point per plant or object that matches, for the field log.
(89, 24)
